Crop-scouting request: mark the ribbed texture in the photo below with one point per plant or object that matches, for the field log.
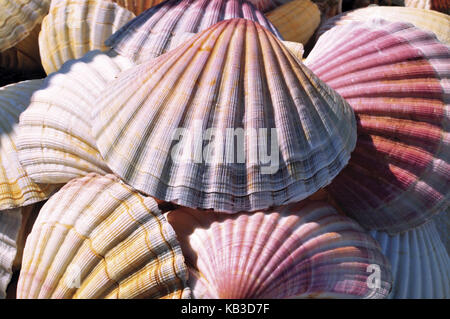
(137, 6)
(74, 27)
(55, 143)
(150, 34)
(442, 222)
(115, 243)
(234, 75)
(419, 261)
(16, 187)
(296, 20)
(438, 5)
(10, 221)
(296, 251)
(18, 18)
(428, 20)
(396, 78)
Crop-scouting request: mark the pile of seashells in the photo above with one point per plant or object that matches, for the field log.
(224, 149)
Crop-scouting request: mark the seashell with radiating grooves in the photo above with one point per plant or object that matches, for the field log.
(428, 20)
(442, 222)
(74, 27)
(150, 34)
(101, 234)
(137, 6)
(18, 18)
(438, 5)
(10, 221)
(420, 264)
(235, 77)
(303, 250)
(396, 78)
(16, 187)
(296, 20)
(55, 143)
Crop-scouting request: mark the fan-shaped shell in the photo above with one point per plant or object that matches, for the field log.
(150, 34)
(296, 251)
(438, 5)
(420, 264)
(74, 27)
(16, 187)
(296, 20)
(98, 238)
(18, 18)
(55, 143)
(237, 78)
(396, 78)
(137, 6)
(428, 20)
(10, 221)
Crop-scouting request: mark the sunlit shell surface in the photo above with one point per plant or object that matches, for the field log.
(438, 5)
(74, 27)
(296, 20)
(55, 143)
(150, 34)
(16, 187)
(294, 251)
(137, 6)
(234, 78)
(429, 20)
(97, 238)
(18, 18)
(396, 78)
(420, 264)
(10, 221)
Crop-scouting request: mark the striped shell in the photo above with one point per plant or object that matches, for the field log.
(438, 5)
(150, 34)
(433, 21)
(16, 187)
(295, 251)
(420, 264)
(74, 27)
(10, 221)
(137, 6)
(18, 18)
(233, 76)
(55, 143)
(97, 238)
(296, 20)
(396, 78)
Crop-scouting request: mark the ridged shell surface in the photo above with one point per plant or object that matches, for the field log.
(295, 251)
(429, 20)
(296, 20)
(137, 6)
(98, 238)
(238, 78)
(16, 187)
(442, 222)
(74, 27)
(10, 221)
(55, 142)
(397, 79)
(150, 34)
(18, 18)
(438, 5)
(420, 264)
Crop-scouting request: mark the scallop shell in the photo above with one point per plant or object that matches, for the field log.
(438, 5)
(295, 251)
(396, 78)
(428, 20)
(16, 187)
(98, 238)
(264, 5)
(137, 6)
(55, 143)
(420, 263)
(18, 18)
(296, 20)
(235, 77)
(150, 34)
(442, 222)
(74, 27)
(10, 221)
